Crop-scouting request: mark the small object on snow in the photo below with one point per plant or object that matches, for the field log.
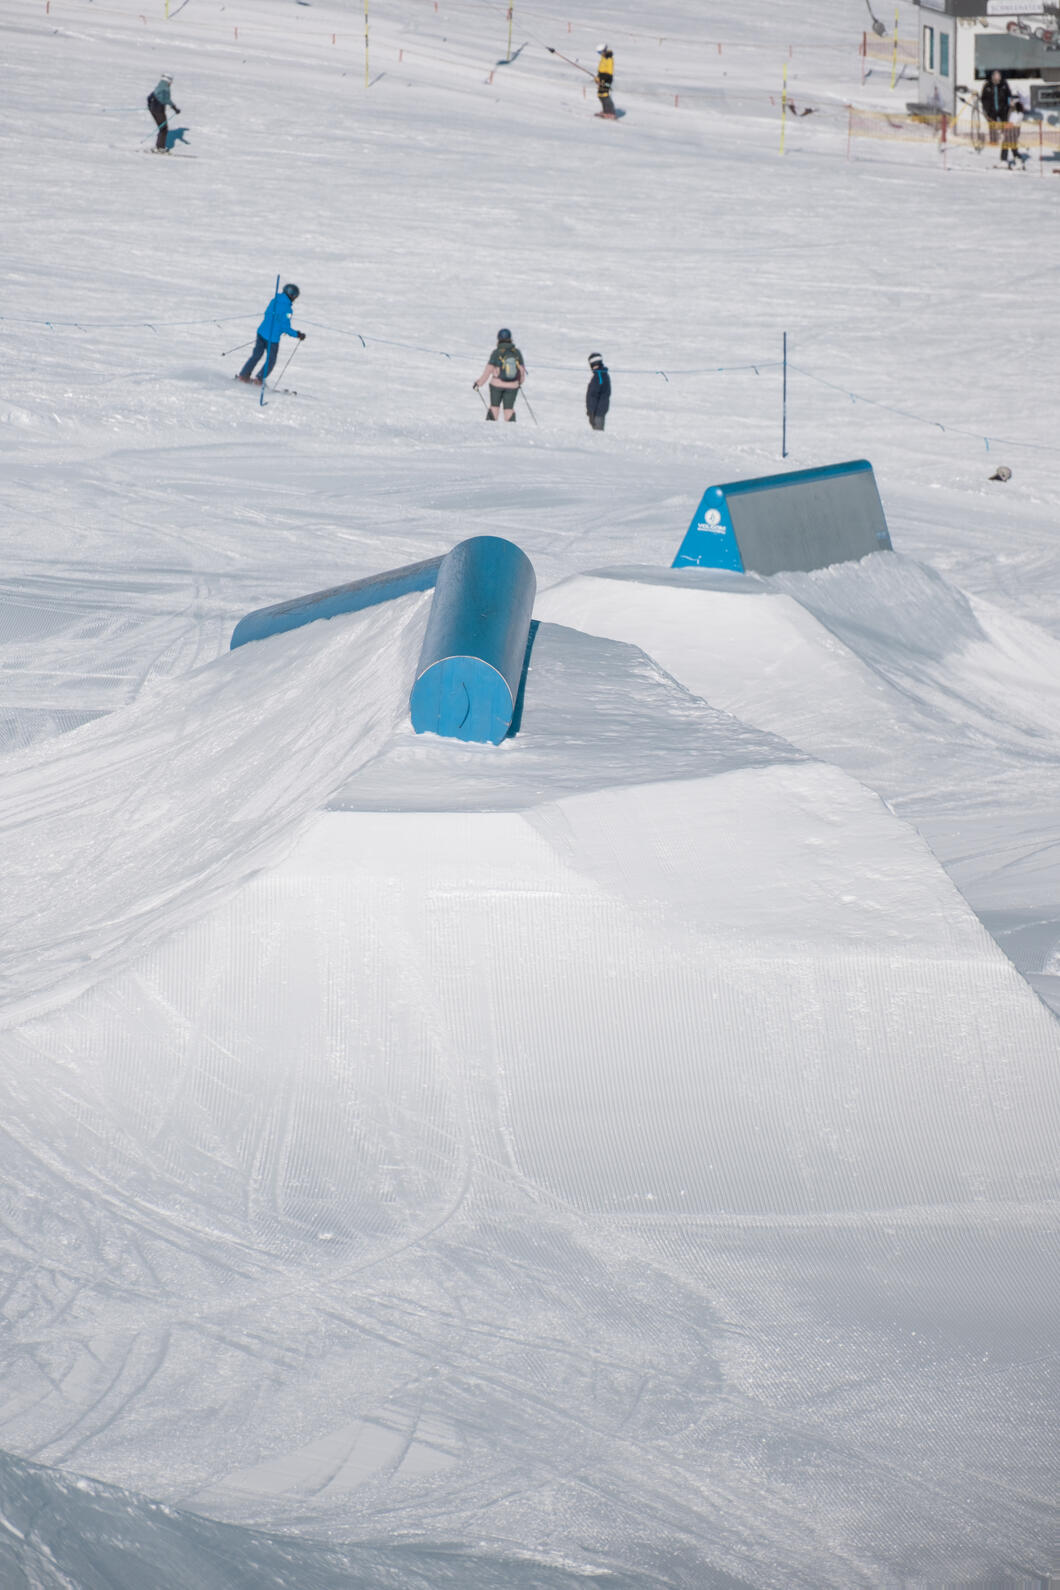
(1002, 472)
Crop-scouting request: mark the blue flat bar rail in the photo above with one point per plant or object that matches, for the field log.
(351, 598)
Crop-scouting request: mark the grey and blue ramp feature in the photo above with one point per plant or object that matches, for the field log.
(471, 662)
(351, 598)
(802, 520)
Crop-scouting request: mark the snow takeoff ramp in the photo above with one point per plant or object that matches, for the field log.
(803, 520)
(471, 663)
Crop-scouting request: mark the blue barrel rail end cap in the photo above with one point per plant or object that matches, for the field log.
(474, 649)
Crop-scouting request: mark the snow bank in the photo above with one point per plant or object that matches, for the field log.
(118, 832)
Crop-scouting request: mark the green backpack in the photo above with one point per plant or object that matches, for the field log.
(508, 362)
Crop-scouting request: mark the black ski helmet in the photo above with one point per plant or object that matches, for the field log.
(596, 360)
(291, 291)
(504, 335)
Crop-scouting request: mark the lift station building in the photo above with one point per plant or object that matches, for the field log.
(962, 41)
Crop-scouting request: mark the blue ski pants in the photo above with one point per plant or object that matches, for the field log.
(259, 348)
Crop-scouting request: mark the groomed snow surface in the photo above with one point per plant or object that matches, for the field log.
(626, 1156)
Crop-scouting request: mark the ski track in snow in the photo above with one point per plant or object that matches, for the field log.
(625, 1156)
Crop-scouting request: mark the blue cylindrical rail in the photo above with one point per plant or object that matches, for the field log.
(471, 662)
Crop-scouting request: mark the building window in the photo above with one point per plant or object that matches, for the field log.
(944, 55)
(929, 49)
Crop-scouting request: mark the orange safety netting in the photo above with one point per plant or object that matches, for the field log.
(893, 125)
(1037, 139)
(928, 127)
(874, 48)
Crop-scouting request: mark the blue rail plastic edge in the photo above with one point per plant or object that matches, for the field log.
(351, 598)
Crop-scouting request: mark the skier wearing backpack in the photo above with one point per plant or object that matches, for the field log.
(158, 101)
(598, 392)
(505, 373)
(275, 324)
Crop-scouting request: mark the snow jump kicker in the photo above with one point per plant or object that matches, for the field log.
(805, 519)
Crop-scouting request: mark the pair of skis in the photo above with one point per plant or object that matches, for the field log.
(274, 391)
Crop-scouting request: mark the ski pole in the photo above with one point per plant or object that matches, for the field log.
(526, 400)
(478, 389)
(569, 62)
(166, 124)
(237, 349)
(290, 356)
(266, 372)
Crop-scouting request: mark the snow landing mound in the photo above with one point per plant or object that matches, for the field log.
(472, 1168)
(774, 1000)
(947, 707)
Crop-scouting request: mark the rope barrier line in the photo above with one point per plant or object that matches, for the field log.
(443, 353)
(127, 325)
(312, 35)
(907, 414)
(150, 13)
(364, 338)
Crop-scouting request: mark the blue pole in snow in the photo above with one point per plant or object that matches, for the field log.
(272, 328)
(784, 404)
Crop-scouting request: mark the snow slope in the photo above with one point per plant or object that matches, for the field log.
(390, 1233)
(625, 1156)
(885, 670)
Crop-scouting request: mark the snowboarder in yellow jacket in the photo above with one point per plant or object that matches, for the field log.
(605, 76)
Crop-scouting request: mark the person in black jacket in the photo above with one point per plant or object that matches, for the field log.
(598, 393)
(996, 97)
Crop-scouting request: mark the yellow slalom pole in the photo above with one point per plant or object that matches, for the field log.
(366, 43)
(167, 10)
(894, 52)
(784, 108)
(511, 14)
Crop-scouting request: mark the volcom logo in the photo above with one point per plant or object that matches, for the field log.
(712, 522)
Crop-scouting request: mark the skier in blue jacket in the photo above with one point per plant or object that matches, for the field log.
(598, 392)
(275, 324)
